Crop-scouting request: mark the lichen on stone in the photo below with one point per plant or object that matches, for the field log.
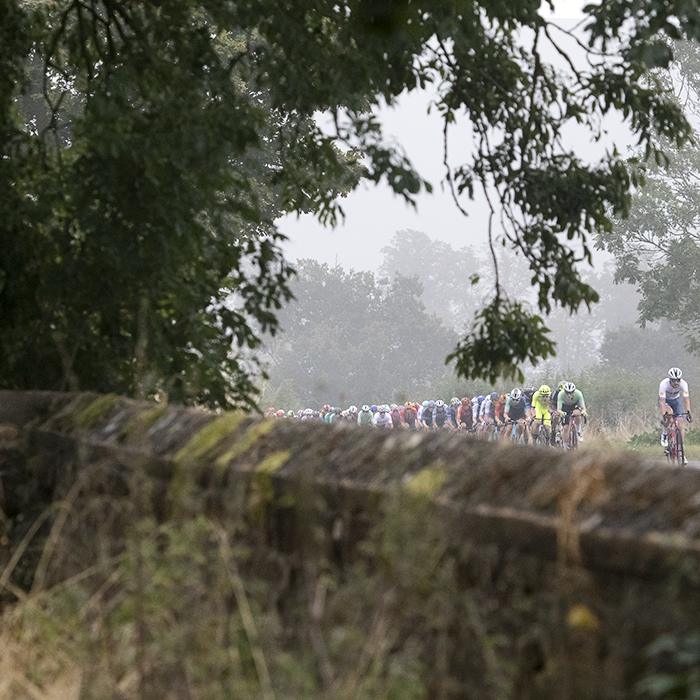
(209, 436)
(140, 423)
(97, 409)
(427, 482)
(244, 443)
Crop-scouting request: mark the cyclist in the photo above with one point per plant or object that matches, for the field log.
(477, 402)
(453, 410)
(553, 399)
(365, 416)
(487, 413)
(499, 409)
(465, 417)
(516, 411)
(671, 390)
(570, 406)
(540, 404)
(427, 415)
(409, 415)
(527, 395)
(440, 415)
(383, 418)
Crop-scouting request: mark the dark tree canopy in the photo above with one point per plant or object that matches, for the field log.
(147, 148)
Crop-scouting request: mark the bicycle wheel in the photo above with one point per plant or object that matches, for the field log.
(680, 453)
(573, 437)
(671, 449)
(559, 440)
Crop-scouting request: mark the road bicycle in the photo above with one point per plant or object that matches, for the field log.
(573, 438)
(572, 442)
(514, 437)
(556, 439)
(541, 438)
(675, 451)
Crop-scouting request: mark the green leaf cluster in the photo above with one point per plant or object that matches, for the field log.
(504, 337)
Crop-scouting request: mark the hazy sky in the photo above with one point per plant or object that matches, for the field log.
(374, 214)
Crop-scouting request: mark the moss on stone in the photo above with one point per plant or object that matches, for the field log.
(208, 437)
(137, 426)
(244, 443)
(97, 409)
(273, 462)
(427, 482)
(262, 491)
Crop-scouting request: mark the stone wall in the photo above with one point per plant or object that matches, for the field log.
(521, 572)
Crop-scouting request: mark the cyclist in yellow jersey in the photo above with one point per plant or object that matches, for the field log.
(543, 416)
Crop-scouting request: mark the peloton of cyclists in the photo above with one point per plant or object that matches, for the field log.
(532, 411)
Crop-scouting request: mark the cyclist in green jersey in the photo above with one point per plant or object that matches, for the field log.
(570, 406)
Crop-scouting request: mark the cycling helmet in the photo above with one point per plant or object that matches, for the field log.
(290, 414)
(326, 407)
(516, 394)
(353, 409)
(454, 400)
(494, 394)
(439, 402)
(338, 410)
(280, 412)
(431, 403)
(465, 400)
(569, 387)
(425, 403)
(365, 408)
(561, 386)
(674, 373)
(374, 408)
(383, 409)
(480, 398)
(308, 412)
(545, 390)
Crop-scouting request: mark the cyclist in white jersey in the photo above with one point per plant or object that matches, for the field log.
(672, 390)
(383, 418)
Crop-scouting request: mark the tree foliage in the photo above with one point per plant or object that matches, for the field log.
(139, 198)
(657, 248)
(146, 252)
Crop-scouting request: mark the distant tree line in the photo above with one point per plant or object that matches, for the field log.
(353, 337)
